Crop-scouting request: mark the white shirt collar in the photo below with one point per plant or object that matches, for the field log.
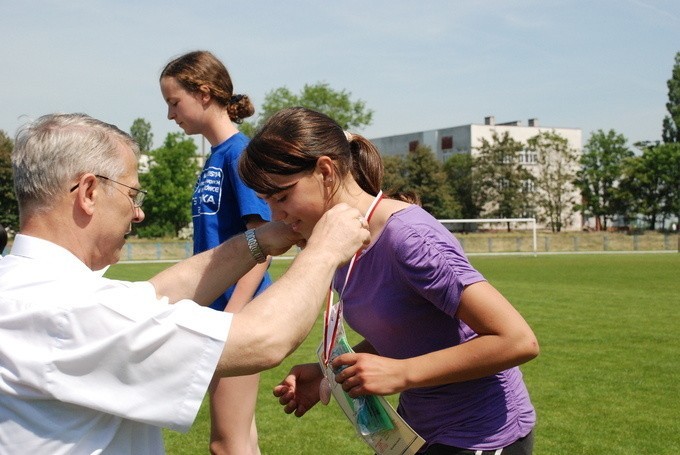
(45, 251)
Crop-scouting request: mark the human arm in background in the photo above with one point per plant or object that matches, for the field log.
(247, 285)
(273, 324)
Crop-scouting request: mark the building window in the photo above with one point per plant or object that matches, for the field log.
(528, 157)
(412, 146)
(447, 142)
(529, 186)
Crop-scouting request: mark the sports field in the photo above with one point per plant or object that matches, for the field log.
(606, 381)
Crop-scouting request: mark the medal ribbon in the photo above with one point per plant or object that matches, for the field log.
(333, 314)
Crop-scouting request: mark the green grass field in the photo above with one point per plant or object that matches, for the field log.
(606, 380)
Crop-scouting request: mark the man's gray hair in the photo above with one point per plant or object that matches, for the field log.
(53, 151)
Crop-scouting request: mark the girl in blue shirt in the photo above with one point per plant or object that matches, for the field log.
(200, 97)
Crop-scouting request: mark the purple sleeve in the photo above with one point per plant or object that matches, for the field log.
(434, 264)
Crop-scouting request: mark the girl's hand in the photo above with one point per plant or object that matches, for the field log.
(299, 391)
(368, 374)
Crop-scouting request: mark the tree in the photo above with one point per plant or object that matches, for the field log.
(9, 209)
(141, 132)
(671, 122)
(394, 178)
(459, 169)
(601, 170)
(172, 174)
(556, 170)
(427, 179)
(670, 158)
(350, 115)
(651, 184)
(503, 183)
(421, 173)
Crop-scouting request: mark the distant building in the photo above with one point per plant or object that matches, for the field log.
(446, 142)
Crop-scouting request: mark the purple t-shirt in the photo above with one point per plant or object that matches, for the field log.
(402, 298)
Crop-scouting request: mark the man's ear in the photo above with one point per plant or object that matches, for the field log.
(89, 190)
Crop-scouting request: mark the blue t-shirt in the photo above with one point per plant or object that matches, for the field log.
(221, 202)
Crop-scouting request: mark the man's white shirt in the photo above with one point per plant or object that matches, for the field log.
(93, 365)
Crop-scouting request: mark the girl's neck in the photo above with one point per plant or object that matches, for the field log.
(351, 194)
(360, 199)
(219, 129)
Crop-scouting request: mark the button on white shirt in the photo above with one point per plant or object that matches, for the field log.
(92, 365)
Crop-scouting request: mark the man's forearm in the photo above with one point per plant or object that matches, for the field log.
(274, 323)
(203, 277)
(278, 320)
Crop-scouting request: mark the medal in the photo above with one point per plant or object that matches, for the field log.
(325, 391)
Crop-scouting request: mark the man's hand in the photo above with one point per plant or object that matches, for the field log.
(276, 237)
(341, 232)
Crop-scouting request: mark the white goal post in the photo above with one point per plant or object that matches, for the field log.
(531, 221)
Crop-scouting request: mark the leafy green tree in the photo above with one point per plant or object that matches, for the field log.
(427, 179)
(420, 173)
(9, 210)
(670, 157)
(170, 181)
(141, 132)
(601, 170)
(556, 170)
(338, 105)
(394, 178)
(671, 123)
(459, 170)
(650, 185)
(504, 190)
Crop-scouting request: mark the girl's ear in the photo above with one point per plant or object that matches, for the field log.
(205, 95)
(324, 166)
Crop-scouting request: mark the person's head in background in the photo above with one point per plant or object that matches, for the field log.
(303, 163)
(200, 94)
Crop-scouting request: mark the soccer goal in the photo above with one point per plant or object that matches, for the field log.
(513, 222)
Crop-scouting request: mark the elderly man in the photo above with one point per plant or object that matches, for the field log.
(93, 365)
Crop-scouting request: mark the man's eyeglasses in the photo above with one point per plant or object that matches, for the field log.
(137, 199)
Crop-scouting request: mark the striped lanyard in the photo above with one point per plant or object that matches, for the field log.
(333, 314)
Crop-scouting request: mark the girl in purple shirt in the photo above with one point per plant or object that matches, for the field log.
(435, 331)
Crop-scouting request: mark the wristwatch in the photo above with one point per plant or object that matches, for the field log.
(254, 247)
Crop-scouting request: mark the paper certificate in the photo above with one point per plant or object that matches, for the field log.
(399, 440)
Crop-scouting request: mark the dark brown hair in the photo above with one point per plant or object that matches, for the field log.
(198, 69)
(293, 139)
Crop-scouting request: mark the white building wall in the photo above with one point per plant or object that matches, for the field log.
(523, 134)
(468, 138)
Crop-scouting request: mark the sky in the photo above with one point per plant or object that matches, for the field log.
(418, 65)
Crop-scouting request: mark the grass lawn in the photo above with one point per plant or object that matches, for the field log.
(606, 380)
